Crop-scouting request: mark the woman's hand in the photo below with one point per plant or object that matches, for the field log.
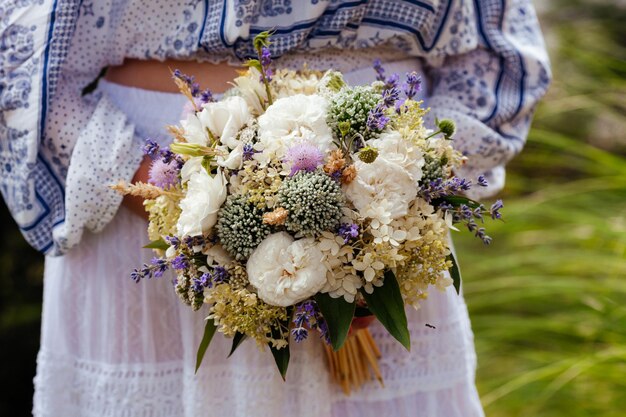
(359, 323)
(135, 204)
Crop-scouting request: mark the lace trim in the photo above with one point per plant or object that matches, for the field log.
(438, 360)
(73, 387)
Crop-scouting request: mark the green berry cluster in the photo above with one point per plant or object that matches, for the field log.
(352, 105)
(432, 169)
(240, 227)
(314, 202)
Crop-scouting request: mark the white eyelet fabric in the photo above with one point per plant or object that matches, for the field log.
(113, 348)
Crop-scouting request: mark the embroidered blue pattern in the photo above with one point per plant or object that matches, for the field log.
(477, 72)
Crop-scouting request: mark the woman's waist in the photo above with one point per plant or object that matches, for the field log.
(357, 65)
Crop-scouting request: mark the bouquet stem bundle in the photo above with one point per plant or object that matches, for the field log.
(356, 362)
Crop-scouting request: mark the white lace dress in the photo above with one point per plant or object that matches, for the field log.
(113, 348)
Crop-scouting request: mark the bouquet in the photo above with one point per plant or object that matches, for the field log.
(296, 202)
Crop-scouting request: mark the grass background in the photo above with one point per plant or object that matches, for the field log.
(548, 298)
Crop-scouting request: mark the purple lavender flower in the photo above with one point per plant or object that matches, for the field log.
(248, 152)
(380, 71)
(376, 119)
(180, 262)
(151, 148)
(482, 181)
(220, 275)
(164, 175)
(160, 265)
(304, 157)
(307, 316)
(392, 81)
(191, 241)
(413, 84)
(266, 61)
(348, 231)
(173, 241)
(206, 96)
(194, 87)
(390, 96)
(480, 233)
(495, 209)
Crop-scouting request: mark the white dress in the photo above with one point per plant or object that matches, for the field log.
(114, 348)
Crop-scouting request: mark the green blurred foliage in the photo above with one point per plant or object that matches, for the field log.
(548, 298)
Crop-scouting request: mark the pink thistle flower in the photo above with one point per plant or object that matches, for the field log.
(162, 174)
(304, 157)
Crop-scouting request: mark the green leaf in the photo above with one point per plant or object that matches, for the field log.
(281, 356)
(456, 201)
(239, 337)
(455, 273)
(387, 305)
(157, 244)
(209, 331)
(338, 315)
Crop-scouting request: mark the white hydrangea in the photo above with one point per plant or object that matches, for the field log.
(285, 271)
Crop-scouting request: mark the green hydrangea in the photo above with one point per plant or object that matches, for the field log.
(352, 105)
(240, 227)
(314, 202)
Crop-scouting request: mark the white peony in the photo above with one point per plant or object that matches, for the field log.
(225, 118)
(394, 148)
(381, 183)
(285, 271)
(291, 120)
(205, 195)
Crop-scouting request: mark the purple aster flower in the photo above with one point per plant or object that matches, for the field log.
(248, 152)
(482, 181)
(151, 148)
(304, 157)
(164, 175)
(348, 231)
(413, 84)
(180, 262)
(376, 119)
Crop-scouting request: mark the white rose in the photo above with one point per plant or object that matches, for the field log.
(392, 147)
(194, 131)
(230, 159)
(252, 90)
(205, 195)
(225, 118)
(285, 271)
(381, 183)
(291, 120)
